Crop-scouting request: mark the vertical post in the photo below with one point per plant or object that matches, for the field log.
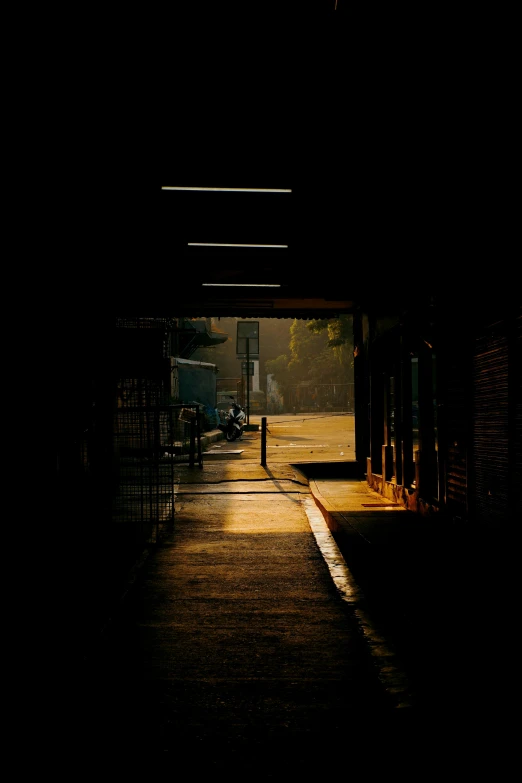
(408, 456)
(428, 456)
(198, 435)
(361, 395)
(397, 372)
(248, 378)
(192, 444)
(263, 441)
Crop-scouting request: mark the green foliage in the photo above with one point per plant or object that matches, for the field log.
(320, 351)
(291, 350)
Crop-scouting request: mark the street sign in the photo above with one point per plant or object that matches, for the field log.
(250, 368)
(247, 341)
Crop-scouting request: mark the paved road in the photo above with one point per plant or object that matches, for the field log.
(320, 437)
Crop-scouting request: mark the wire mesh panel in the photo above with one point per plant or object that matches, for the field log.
(149, 434)
(144, 501)
(149, 441)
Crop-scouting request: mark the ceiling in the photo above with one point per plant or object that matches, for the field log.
(290, 257)
(264, 114)
(267, 113)
(323, 240)
(326, 250)
(393, 179)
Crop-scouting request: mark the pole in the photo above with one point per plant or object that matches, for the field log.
(263, 441)
(248, 378)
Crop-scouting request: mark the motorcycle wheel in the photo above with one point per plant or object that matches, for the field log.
(231, 435)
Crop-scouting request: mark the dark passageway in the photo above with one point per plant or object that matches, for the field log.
(292, 200)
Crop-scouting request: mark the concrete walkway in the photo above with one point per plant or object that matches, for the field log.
(285, 624)
(235, 639)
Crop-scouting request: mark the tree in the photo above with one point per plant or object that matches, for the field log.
(340, 337)
(283, 376)
(320, 351)
(292, 350)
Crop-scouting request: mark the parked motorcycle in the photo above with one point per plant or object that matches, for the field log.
(233, 422)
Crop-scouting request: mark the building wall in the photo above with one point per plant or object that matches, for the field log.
(460, 453)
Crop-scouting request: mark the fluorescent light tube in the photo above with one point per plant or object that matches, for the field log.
(243, 285)
(232, 190)
(228, 244)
